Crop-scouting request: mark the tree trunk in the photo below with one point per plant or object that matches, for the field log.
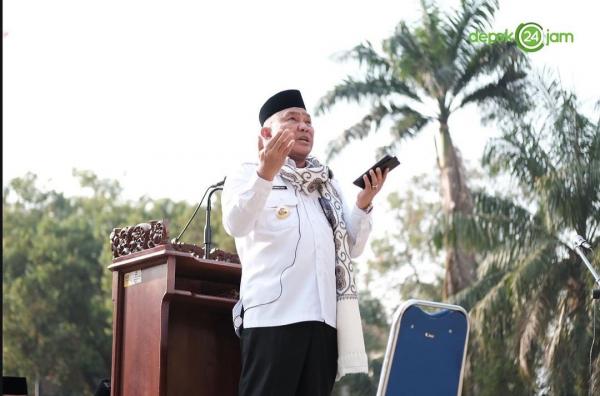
(456, 199)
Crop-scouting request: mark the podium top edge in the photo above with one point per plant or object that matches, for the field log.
(163, 251)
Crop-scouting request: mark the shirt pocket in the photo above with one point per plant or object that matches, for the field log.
(280, 211)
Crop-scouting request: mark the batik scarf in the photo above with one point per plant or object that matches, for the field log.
(352, 357)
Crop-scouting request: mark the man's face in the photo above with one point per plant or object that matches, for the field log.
(298, 121)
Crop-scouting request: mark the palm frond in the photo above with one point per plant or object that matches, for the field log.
(595, 380)
(504, 91)
(484, 314)
(432, 37)
(519, 153)
(366, 55)
(488, 59)
(535, 318)
(550, 354)
(373, 120)
(411, 54)
(569, 195)
(469, 297)
(558, 162)
(407, 126)
(498, 303)
(403, 43)
(496, 222)
(472, 16)
(371, 87)
(530, 273)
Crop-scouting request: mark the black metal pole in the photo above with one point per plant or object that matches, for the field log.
(207, 229)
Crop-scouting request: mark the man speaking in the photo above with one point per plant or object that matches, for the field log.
(298, 315)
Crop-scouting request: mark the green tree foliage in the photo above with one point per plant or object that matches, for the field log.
(406, 255)
(55, 323)
(531, 310)
(422, 75)
(57, 310)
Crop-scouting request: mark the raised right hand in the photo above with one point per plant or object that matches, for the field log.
(272, 155)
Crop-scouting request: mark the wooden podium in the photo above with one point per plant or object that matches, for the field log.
(172, 327)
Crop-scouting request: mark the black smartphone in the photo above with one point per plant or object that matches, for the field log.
(388, 162)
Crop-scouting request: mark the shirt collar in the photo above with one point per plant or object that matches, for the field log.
(290, 162)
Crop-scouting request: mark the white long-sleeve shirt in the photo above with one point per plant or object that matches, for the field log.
(288, 262)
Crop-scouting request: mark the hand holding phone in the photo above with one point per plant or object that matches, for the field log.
(387, 162)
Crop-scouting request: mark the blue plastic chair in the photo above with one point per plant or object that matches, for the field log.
(426, 351)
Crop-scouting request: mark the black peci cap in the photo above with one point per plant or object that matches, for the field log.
(280, 101)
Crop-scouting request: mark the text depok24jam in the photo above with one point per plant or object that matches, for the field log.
(529, 36)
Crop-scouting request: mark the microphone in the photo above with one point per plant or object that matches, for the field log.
(580, 241)
(219, 184)
(216, 185)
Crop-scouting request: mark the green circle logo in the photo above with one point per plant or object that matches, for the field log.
(529, 37)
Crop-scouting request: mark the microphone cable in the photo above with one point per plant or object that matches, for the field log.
(175, 240)
(241, 315)
(594, 309)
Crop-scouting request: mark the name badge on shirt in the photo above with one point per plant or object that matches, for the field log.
(282, 212)
(279, 187)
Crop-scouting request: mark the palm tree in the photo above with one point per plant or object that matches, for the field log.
(424, 75)
(531, 309)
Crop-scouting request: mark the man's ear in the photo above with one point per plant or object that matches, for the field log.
(265, 132)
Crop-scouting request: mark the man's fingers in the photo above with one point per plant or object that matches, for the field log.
(387, 170)
(381, 176)
(261, 144)
(280, 142)
(374, 181)
(289, 147)
(284, 141)
(367, 182)
(275, 139)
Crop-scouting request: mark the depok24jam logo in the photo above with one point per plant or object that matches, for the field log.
(529, 36)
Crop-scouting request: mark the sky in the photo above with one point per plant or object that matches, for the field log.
(163, 96)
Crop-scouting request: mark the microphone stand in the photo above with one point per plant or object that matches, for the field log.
(218, 185)
(595, 292)
(207, 229)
